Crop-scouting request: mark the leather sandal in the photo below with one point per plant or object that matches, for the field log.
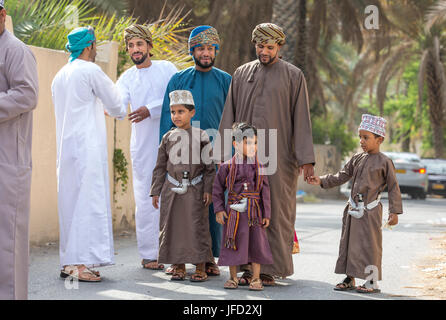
(179, 273)
(152, 264)
(245, 279)
(199, 276)
(81, 273)
(345, 285)
(256, 285)
(231, 284)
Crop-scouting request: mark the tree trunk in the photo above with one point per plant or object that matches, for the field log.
(285, 15)
(436, 102)
(300, 58)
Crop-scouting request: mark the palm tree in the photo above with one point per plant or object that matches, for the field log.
(109, 6)
(418, 34)
(313, 26)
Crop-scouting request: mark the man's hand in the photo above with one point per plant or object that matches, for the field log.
(207, 199)
(265, 223)
(314, 180)
(308, 170)
(393, 219)
(139, 114)
(221, 216)
(155, 200)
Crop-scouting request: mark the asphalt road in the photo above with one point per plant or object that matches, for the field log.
(318, 227)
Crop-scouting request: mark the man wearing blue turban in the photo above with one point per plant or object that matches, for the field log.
(209, 87)
(82, 92)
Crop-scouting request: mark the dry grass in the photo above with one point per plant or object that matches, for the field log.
(432, 272)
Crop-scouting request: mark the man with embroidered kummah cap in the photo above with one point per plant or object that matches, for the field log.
(143, 86)
(182, 190)
(18, 98)
(271, 94)
(86, 233)
(360, 248)
(209, 86)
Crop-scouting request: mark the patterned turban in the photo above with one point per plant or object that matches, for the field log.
(181, 97)
(78, 40)
(268, 33)
(203, 35)
(373, 124)
(138, 31)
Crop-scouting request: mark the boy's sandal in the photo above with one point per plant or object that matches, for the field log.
(179, 274)
(268, 280)
(171, 269)
(345, 285)
(80, 273)
(256, 285)
(212, 269)
(366, 289)
(199, 276)
(245, 279)
(151, 264)
(231, 284)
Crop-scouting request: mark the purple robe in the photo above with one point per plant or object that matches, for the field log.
(251, 242)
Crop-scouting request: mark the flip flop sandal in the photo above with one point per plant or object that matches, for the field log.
(347, 284)
(365, 290)
(231, 284)
(245, 279)
(199, 276)
(268, 280)
(146, 262)
(256, 285)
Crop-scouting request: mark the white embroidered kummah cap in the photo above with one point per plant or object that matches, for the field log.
(2, 3)
(181, 97)
(373, 124)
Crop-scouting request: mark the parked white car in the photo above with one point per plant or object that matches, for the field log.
(410, 173)
(436, 172)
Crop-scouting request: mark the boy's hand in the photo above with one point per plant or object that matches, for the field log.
(207, 199)
(393, 219)
(265, 222)
(155, 200)
(314, 180)
(220, 216)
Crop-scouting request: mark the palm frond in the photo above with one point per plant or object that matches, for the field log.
(46, 23)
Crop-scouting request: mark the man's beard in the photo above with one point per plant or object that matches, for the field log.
(269, 62)
(205, 66)
(138, 62)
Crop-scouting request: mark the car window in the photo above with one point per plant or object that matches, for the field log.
(435, 167)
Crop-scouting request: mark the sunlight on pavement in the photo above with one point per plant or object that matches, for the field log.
(126, 295)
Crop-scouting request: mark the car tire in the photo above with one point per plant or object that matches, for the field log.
(422, 195)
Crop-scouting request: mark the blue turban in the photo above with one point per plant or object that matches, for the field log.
(78, 40)
(203, 35)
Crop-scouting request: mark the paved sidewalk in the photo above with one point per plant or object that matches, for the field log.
(318, 227)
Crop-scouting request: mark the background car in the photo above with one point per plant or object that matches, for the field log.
(436, 171)
(410, 173)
